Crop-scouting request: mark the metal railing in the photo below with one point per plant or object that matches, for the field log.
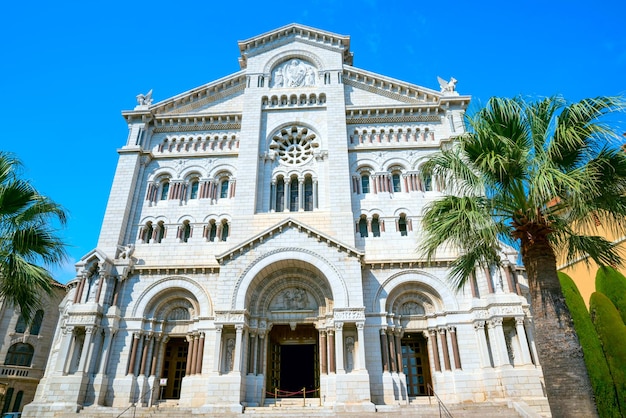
(443, 411)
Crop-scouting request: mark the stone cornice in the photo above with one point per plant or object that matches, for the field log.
(260, 43)
(399, 90)
(197, 122)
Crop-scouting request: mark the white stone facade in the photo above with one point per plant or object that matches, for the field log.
(268, 222)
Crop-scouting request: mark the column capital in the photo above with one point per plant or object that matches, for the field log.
(479, 325)
(495, 322)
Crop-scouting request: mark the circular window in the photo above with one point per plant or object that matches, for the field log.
(294, 145)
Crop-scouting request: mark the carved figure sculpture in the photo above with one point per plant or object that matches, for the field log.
(230, 354)
(295, 73)
(145, 99)
(447, 86)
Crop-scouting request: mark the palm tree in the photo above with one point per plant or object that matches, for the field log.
(27, 238)
(540, 175)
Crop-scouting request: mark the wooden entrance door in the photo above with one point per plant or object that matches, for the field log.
(415, 364)
(174, 364)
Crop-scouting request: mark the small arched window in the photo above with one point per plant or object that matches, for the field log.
(428, 183)
(402, 225)
(148, 230)
(212, 231)
(160, 234)
(395, 181)
(363, 226)
(365, 183)
(165, 188)
(293, 194)
(185, 232)
(19, 354)
(280, 194)
(308, 193)
(20, 327)
(375, 226)
(224, 188)
(225, 229)
(36, 325)
(193, 189)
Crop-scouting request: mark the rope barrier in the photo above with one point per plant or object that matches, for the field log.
(286, 394)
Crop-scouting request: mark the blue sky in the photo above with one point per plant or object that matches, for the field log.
(69, 68)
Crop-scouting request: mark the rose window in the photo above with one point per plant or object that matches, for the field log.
(294, 145)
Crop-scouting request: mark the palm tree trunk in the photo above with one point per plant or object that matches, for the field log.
(566, 380)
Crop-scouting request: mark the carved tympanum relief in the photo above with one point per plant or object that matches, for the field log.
(294, 73)
(292, 299)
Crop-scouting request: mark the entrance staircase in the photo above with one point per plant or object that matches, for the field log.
(293, 407)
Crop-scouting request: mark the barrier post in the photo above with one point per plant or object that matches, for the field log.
(304, 396)
(275, 396)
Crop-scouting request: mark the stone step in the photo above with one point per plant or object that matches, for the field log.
(419, 409)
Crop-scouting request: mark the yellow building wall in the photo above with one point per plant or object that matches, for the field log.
(584, 274)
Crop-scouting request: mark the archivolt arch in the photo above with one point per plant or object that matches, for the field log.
(288, 257)
(291, 54)
(435, 290)
(152, 299)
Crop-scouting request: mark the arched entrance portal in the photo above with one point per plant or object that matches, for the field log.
(293, 363)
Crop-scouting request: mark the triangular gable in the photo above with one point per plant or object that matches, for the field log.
(395, 91)
(270, 40)
(277, 229)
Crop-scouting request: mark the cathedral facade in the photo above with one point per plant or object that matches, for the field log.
(260, 241)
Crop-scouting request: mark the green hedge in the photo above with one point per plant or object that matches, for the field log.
(613, 284)
(597, 366)
(612, 333)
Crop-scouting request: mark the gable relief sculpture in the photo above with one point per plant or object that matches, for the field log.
(294, 73)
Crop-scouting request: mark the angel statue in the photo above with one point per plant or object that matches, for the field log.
(145, 99)
(447, 86)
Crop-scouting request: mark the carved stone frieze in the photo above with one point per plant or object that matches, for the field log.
(354, 314)
(230, 317)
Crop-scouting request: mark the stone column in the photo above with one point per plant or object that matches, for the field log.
(323, 353)
(392, 351)
(109, 334)
(444, 348)
(238, 343)
(497, 341)
(359, 364)
(523, 342)
(191, 343)
(194, 353)
(273, 196)
(384, 348)
(133, 352)
(85, 357)
(64, 353)
(200, 354)
(155, 354)
(144, 354)
(217, 350)
(287, 188)
(479, 327)
(261, 353)
(315, 200)
(159, 366)
(100, 284)
(331, 346)
(339, 347)
(435, 349)
(301, 194)
(455, 347)
(398, 336)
